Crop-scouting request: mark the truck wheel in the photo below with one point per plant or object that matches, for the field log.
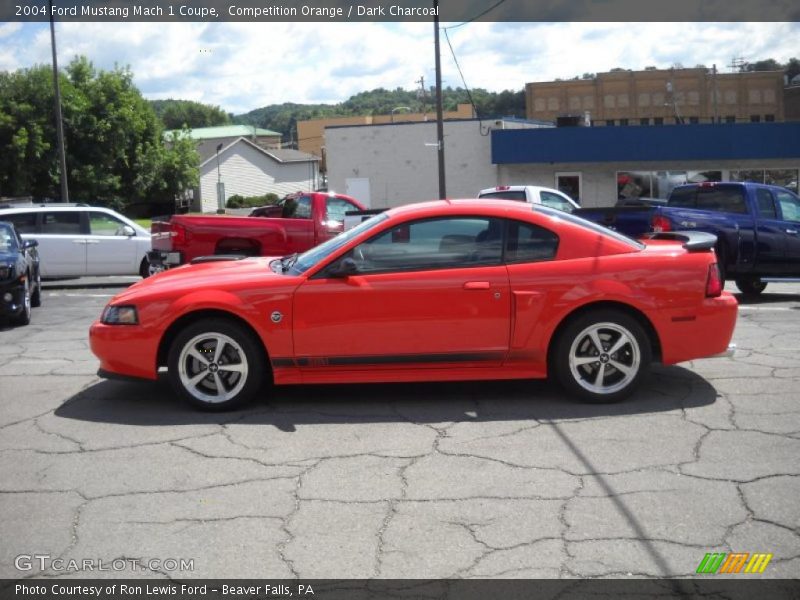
(722, 261)
(602, 356)
(216, 364)
(750, 286)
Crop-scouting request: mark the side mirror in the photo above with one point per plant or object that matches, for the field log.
(29, 244)
(345, 268)
(128, 231)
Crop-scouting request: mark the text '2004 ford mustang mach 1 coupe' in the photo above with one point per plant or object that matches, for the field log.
(445, 290)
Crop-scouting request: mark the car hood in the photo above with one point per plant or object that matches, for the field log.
(227, 274)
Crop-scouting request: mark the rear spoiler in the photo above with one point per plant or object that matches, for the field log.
(693, 241)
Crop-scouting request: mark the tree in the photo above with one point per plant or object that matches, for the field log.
(176, 114)
(114, 142)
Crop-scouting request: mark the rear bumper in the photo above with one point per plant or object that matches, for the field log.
(701, 332)
(160, 260)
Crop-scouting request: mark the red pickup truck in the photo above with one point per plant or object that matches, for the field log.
(298, 222)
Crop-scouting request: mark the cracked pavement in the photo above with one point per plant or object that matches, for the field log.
(455, 480)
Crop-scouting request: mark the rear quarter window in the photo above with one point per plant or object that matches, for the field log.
(24, 222)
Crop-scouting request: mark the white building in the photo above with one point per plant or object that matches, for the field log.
(249, 170)
(396, 163)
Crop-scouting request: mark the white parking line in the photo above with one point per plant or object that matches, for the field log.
(766, 308)
(58, 294)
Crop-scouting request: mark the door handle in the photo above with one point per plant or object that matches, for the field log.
(477, 285)
(791, 231)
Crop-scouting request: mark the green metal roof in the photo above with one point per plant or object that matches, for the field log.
(227, 131)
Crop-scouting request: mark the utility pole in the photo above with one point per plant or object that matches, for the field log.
(716, 94)
(439, 116)
(422, 95)
(62, 155)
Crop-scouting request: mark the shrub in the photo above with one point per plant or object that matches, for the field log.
(238, 201)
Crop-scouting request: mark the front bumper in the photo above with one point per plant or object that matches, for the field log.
(12, 297)
(124, 350)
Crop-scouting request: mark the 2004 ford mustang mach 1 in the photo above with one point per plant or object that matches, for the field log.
(445, 290)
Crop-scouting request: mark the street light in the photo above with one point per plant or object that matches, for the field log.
(408, 108)
(220, 186)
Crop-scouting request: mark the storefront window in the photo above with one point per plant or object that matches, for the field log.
(756, 175)
(783, 177)
(634, 184)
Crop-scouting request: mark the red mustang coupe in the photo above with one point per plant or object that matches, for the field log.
(445, 290)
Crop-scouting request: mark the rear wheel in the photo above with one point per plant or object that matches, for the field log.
(751, 286)
(36, 293)
(216, 364)
(602, 356)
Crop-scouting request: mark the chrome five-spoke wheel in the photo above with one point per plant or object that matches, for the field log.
(602, 355)
(604, 358)
(216, 364)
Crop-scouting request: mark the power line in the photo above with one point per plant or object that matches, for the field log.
(475, 18)
(466, 87)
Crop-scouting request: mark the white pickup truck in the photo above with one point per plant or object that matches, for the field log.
(533, 194)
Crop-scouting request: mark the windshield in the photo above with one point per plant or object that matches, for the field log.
(310, 258)
(8, 240)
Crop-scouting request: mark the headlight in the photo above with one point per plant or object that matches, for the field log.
(120, 315)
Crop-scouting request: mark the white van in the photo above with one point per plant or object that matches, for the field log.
(532, 194)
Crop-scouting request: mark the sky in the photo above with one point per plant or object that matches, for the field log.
(243, 66)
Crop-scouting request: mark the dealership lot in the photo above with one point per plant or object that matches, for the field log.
(427, 480)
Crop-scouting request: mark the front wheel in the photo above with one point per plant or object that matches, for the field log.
(24, 317)
(216, 364)
(36, 293)
(602, 356)
(750, 286)
(144, 268)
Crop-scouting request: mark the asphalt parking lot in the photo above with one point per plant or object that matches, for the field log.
(496, 479)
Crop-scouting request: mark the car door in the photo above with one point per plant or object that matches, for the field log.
(428, 293)
(770, 235)
(109, 251)
(790, 214)
(62, 244)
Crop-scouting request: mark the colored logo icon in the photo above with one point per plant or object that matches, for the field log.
(720, 563)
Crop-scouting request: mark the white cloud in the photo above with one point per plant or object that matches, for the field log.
(242, 66)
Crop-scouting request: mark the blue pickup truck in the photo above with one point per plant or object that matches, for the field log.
(757, 227)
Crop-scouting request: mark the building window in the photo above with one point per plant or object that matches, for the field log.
(730, 119)
(755, 118)
(658, 120)
(610, 122)
(769, 118)
(644, 121)
(623, 121)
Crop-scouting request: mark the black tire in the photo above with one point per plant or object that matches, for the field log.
(36, 295)
(221, 389)
(144, 268)
(750, 286)
(577, 362)
(24, 318)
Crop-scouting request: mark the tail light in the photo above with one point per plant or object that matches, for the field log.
(714, 283)
(178, 234)
(661, 223)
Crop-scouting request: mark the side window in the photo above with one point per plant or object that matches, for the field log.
(61, 222)
(766, 206)
(453, 242)
(790, 206)
(335, 209)
(297, 208)
(103, 224)
(8, 241)
(722, 200)
(530, 243)
(555, 201)
(24, 222)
